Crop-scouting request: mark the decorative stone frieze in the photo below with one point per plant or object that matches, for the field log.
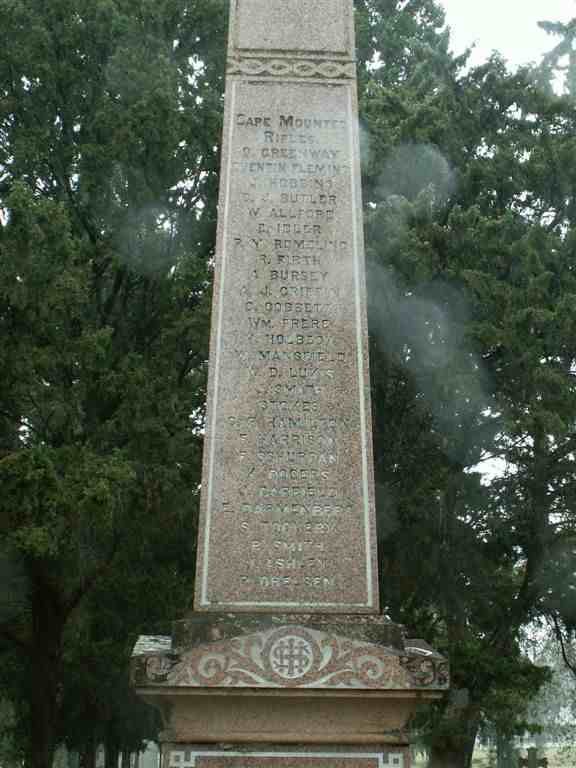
(293, 656)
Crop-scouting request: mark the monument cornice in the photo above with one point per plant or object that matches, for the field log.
(294, 656)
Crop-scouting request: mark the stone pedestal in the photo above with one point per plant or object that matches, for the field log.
(253, 681)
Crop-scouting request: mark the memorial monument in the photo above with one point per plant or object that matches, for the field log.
(285, 659)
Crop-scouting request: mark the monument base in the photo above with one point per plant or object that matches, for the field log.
(286, 717)
(250, 681)
(238, 756)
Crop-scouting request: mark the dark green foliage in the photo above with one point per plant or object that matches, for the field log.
(470, 192)
(108, 126)
(562, 58)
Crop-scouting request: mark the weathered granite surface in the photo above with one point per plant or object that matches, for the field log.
(287, 511)
(285, 716)
(199, 629)
(292, 26)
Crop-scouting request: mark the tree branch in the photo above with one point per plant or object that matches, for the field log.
(10, 637)
(91, 580)
(558, 632)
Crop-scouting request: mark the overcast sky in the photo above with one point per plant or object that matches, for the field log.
(509, 26)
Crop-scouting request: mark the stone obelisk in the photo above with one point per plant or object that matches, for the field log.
(286, 659)
(287, 491)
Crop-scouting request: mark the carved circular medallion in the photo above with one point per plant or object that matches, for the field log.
(291, 655)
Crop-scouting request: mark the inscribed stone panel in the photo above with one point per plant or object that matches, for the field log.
(287, 503)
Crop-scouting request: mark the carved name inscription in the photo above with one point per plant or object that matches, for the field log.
(287, 518)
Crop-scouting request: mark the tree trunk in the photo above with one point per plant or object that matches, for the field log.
(45, 670)
(88, 756)
(126, 755)
(455, 745)
(43, 725)
(505, 757)
(448, 758)
(112, 755)
(453, 755)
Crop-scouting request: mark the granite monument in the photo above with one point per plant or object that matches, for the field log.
(286, 660)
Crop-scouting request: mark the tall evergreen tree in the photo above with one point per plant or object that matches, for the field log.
(108, 165)
(470, 202)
